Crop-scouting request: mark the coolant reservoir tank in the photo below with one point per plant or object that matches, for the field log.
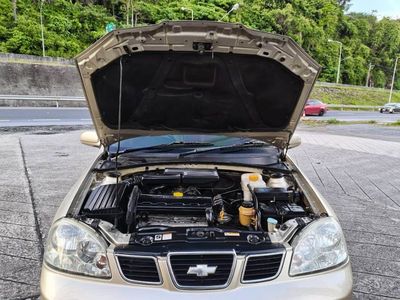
(254, 180)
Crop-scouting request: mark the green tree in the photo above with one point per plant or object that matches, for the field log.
(71, 25)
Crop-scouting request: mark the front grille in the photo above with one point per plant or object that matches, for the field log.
(262, 267)
(180, 264)
(139, 269)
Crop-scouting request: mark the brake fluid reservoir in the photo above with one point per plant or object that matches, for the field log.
(254, 180)
(277, 181)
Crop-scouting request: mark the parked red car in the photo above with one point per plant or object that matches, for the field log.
(315, 108)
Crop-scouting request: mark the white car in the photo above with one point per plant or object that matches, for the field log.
(193, 195)
(390, 108)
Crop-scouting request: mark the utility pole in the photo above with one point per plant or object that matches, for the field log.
(393, 78)
(369, 74)
(339, 60)
(41, 27)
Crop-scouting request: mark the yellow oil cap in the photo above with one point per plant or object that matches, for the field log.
(253, 177)
(177, 194)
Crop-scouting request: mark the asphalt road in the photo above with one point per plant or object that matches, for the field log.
(41, 116)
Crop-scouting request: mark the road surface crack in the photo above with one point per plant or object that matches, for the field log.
(383, 192)
(35, 215)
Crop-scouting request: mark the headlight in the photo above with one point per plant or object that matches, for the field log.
(319, 246)
(74, 247)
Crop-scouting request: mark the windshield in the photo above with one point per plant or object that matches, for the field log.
(314, 102)
(149, 141)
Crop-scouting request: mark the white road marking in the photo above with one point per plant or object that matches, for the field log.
(40, 120)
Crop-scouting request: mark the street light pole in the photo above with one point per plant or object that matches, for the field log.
(41, 27)
(393, 78)
(188, 9)
(234, 7)
(340, 58)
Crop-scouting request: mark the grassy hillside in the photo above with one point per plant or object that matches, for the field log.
(352, 95)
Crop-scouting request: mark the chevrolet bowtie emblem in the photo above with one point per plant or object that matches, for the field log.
(201, 270)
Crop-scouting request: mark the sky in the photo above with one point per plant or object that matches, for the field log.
(385, 8)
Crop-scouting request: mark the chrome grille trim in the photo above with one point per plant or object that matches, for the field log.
(213, 287)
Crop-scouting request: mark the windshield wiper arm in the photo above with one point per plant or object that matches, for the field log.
(225, 149)
(163, 147)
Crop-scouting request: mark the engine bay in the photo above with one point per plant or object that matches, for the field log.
(185, 204)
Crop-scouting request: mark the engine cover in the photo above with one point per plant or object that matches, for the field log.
(171, 220)
(176, 205)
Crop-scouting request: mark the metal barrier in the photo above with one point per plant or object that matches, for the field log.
(56, 99)
(354, 107)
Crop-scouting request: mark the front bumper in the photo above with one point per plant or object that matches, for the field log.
(332, 284)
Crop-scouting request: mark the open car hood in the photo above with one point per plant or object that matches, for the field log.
(196, 77)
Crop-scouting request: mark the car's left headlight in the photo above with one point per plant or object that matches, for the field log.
(319, 246)
(75, 247)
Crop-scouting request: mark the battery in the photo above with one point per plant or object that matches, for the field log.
(282, 211)
(270, 195)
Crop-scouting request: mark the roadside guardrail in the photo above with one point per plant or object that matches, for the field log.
(353, 107)
(56, 99)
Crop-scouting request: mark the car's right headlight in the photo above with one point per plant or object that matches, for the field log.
(319, 246)
(75, 247)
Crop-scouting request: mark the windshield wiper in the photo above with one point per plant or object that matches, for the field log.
(225, 149)
(169, 146)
